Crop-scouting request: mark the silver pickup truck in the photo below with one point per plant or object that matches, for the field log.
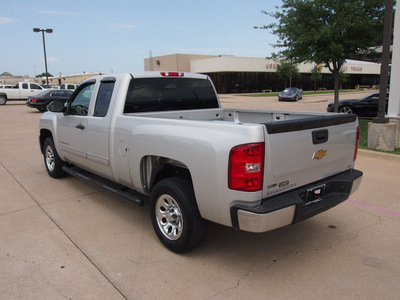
(165, 135)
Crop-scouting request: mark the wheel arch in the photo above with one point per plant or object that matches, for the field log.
(157, 168)
(44, 134)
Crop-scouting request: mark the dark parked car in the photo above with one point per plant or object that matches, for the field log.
(291, 93)
(40, 101)
(364, 107)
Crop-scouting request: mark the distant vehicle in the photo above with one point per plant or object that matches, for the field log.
(20, 91)
(43, 99)
(69, 86)
(364, 107)
(291, 94)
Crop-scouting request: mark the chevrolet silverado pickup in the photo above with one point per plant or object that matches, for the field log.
(165, 135)
(20, 91)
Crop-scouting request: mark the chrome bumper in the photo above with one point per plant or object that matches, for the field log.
(296, 205)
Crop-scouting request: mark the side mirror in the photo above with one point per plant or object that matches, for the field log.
(56, 106)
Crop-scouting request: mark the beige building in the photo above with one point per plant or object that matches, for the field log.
(15, 79)
(233, 74)
(55, 81)
(172, 62)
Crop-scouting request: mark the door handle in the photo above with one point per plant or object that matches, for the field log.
(80, 126)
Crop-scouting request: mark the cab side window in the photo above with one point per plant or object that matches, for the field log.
(103, 99)
(34, 86)
(80, 104)
(25, 86)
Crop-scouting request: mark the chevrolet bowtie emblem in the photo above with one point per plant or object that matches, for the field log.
(319, 154)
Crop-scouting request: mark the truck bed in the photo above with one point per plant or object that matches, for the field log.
(292, 140)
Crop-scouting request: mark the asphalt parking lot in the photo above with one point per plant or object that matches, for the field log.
(65, 239)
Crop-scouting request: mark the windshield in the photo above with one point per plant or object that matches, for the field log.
(165, 94)
(290, 90)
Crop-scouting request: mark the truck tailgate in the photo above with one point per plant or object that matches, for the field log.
(303, 151)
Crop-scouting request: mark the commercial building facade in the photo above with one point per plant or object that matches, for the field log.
(232, 74)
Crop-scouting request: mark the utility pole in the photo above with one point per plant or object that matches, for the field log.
(44, 49)
(387, 35)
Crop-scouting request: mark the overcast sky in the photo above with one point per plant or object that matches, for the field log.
(115, 36)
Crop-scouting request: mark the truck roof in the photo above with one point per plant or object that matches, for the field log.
(151, 74)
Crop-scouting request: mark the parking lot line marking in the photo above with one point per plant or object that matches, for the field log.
(371, 207)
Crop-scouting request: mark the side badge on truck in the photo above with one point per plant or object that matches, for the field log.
(319, 154)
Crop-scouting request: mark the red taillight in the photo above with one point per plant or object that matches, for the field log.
(172, 74)
(246, 167)
(34, 99)
(358, 139)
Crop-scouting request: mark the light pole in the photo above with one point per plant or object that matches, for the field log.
(44, 49)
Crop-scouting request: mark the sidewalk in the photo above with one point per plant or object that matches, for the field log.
(64, 239)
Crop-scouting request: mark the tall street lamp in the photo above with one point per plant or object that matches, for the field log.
(44, 49)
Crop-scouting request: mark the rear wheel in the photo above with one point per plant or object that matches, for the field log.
(346, 109)
(3, 100)
(52, 161)
(175, 216)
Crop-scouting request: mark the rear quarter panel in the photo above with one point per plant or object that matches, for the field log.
(202, 146)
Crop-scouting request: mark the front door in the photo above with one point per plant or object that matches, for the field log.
(72, 127)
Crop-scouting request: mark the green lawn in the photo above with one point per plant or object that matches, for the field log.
(363, 144)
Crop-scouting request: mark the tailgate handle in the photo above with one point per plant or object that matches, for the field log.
(320, 136)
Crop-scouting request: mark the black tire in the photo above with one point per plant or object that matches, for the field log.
(52, 161)
(346, 109)
(3, 100)
(175, 216)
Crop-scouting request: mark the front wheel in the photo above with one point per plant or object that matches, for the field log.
(175, 216)
(346, 110)
(52, 161)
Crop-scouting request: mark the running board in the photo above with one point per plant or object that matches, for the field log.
(102, 183)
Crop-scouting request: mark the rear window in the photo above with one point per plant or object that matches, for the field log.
(164, 94)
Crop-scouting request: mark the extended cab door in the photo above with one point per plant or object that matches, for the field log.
(29, 89)
(98, 127)
(72, 127)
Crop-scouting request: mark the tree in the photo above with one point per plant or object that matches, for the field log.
(343, 77)
(316, 75)
(327, 31)
(287, 71)
(44, 75)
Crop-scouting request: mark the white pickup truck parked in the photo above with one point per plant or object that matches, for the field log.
(166, 136)
(20, 91)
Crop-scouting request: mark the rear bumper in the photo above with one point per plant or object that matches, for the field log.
(39, 105)
(296, 205)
